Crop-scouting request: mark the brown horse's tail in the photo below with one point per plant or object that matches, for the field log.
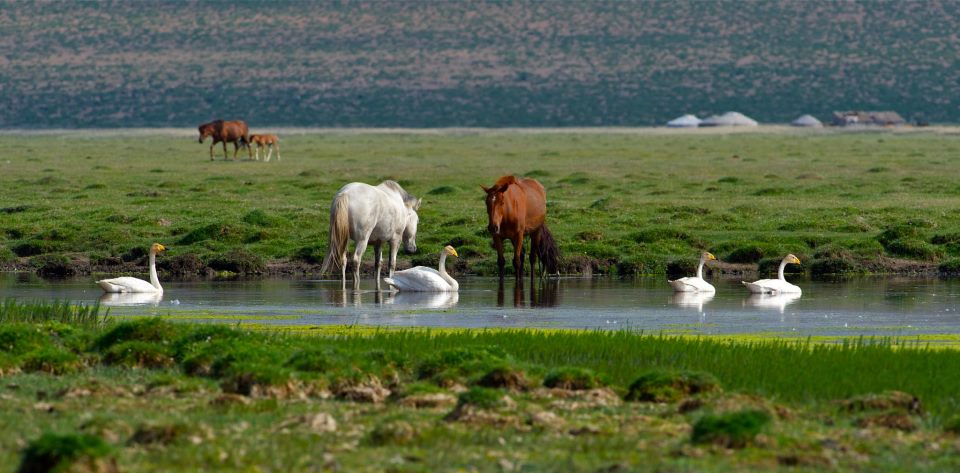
(339, 234)
(547, 251)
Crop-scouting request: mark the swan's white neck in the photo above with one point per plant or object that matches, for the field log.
(153, 272)
(703, 259)
(443, 272)
(783, 264)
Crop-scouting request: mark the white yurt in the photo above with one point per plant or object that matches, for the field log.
(686, 121)
(729, 119)
(807, 121)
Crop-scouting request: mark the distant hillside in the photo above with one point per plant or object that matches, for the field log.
(428, 64)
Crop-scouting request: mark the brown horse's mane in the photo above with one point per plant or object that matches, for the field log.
(503, 183)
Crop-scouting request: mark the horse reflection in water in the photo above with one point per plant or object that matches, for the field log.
(547, 295)
(126, 299)
(345, 298)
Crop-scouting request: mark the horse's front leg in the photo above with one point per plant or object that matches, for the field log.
(357, 257)
(534, 245)
(269, 152)
(394, 248)
(343, 272)
(211, 150)
(501, 261)
(225, 156)
(377, 259)
(517, 257)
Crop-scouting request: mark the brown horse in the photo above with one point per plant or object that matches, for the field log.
(517, 208)
(235, 132)
(266, 141)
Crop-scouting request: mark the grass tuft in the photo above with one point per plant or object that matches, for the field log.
(730, 430)
(666, 386)
(139, 354)
(145, 330)
(573, 378)
(59, 452)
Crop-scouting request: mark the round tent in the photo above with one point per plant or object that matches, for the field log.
(807, 121)
(729, 119)
(686, 121)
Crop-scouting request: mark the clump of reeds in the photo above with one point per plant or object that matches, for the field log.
(14, 311)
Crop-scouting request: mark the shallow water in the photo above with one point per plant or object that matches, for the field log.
(869, 306)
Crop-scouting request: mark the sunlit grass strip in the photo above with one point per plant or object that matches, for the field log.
(208, 316)
(798, 369)
(13, 311)
(928, 340)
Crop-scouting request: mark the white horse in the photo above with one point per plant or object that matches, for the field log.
(375, 215)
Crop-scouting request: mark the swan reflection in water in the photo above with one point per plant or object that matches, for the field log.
(120, 299)
(771, 301)
(424, 300)
(691, 300)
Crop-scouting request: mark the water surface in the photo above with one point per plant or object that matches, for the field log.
(868, 306)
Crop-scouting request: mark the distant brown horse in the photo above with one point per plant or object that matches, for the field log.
(517, 208)
(266, 141)
(235, 132)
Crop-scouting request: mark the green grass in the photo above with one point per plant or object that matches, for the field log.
(12, 310)
(627, 202)
(164, 396)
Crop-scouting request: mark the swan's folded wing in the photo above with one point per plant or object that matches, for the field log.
(126, 284)
(680, 285)
(413, 280)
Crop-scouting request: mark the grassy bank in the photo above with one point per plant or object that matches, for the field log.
(622, 202)
(150, 395)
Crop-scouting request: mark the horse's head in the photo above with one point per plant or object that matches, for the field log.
(205, 131)
(497, 205)
(410, 230)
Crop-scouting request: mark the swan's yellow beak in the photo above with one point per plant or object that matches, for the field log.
(795, 260)
(454, 252)
(161, 247)
(710, 256)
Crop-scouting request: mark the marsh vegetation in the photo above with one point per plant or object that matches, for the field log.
(618, 203)
(151, 395)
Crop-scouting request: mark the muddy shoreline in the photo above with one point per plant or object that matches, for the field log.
(580, 266)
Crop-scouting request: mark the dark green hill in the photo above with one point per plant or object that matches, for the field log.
(86, 64)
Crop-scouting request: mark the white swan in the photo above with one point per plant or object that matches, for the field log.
(424, 279)
(129, 284)
(775, 286)
(695, 283)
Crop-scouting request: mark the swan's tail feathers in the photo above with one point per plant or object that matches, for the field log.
(754, 288)
(339, 234)
(680, 286)
(547, 251)
(107, 286)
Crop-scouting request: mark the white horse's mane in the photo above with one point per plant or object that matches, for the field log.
(408, 199)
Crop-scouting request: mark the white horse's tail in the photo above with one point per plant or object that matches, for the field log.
(339, 234)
